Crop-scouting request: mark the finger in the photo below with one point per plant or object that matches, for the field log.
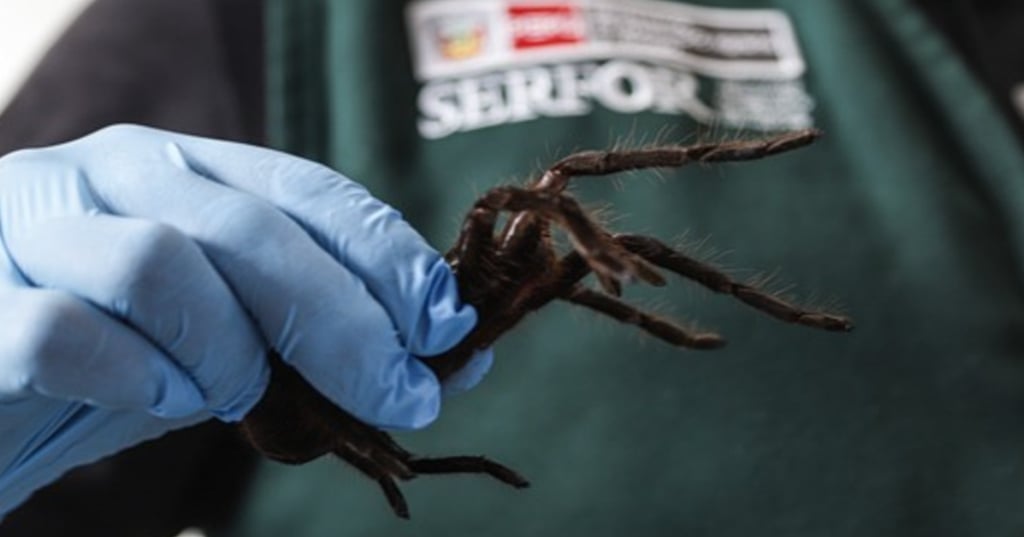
(314, 311)
(471, 374)
(407, 276)
(10, 276)
(159, 282)
(34, 190)
(56, 345)
(65, 435)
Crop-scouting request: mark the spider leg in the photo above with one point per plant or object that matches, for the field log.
(556, 178)
(385, 462)
(659, 327)
(662, 255)
(374, 471)
(472, 257)
(469, 465)
(376, 446)
(377, 455)
(525, 248)
(605, 257)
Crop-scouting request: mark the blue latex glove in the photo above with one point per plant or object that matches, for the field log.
(144, 274)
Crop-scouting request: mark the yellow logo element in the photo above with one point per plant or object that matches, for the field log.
(462, 39)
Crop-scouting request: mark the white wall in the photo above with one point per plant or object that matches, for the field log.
(27, 29)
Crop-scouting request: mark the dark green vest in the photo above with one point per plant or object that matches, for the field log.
(908, 216)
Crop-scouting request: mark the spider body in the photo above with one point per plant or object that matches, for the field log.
(508, 274)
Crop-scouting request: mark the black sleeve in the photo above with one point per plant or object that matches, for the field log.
(987, 34)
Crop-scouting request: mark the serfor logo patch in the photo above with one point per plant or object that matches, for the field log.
(491, 62)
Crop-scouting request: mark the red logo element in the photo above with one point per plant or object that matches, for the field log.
(543, 25)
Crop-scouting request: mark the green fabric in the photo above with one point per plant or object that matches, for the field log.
(908, 214)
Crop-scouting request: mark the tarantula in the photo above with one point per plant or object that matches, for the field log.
(509, 274)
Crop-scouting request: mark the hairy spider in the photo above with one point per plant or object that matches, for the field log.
(509, 274)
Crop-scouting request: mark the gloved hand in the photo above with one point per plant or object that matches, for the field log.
(145, 274)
